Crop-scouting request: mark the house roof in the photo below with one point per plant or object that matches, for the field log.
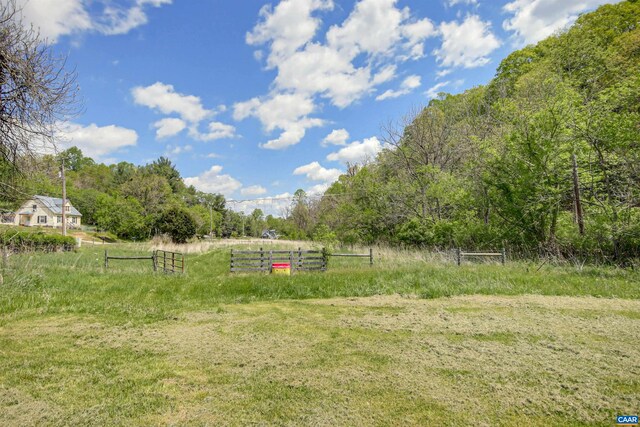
(55, 205)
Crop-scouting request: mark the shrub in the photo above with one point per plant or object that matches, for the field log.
(177, 223)
(21, 241)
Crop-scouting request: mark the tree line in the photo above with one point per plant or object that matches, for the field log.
(544, 159)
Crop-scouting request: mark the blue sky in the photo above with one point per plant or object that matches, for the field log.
(255, 99)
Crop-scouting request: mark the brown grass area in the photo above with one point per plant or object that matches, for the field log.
(384, 360)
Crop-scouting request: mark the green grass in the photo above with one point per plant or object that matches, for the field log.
(402, 342)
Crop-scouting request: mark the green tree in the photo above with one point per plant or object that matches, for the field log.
(177, 223)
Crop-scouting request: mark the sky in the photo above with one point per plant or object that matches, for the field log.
(256, 99)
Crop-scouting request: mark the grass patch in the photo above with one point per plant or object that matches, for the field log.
(415, 343)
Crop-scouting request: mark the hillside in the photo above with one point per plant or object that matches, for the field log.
(543, 159)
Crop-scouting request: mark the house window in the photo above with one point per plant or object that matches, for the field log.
(67, 208)
(59, 219)
(74, 220)
(34, 207)
(42, 219)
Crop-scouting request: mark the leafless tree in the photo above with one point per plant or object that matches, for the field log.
(36, 90)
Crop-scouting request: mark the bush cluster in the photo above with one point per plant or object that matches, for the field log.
(35, 241)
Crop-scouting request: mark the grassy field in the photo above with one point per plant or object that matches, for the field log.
(413, 340)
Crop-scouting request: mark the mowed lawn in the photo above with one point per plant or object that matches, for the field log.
(405, 342)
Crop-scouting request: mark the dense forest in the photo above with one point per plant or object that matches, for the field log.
(543, 160)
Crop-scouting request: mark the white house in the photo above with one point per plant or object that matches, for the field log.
(42, 211)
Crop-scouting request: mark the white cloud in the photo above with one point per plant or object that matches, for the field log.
(286, 112)
(407, 86)
(442, 73)
(315, 172)
(56, 18)
(318, 189)
(321, 70)
(452, 3)
(216, 130)
(466, 44)
(434, 90)
(534, 20)
(253, 190)
(287, 27)
(356, 56)
(164, 98)
(212, 181)
(169, 127)
(178, 149)
(336, 137)
(277, 205)
(96, 141)
(357, 152)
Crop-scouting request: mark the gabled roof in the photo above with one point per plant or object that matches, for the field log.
(55, 205)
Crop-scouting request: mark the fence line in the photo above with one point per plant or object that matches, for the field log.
(300, 260)
(461, 254)
(369, 255)
(168, 262)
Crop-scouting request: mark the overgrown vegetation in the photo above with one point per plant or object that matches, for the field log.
(545, 159)
(20, 241)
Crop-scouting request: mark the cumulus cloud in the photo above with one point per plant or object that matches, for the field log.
(534, 20)
(96, 141)
(177, 149)
(216, 130)
(354, 57)
(336, 137)
(286, 112)
(169, 127)
(466, 44)
(315, 172)
(163, 97)
(357, 152)
(407, 86)
(213, 181)
(287, 27)
(57, 18)
(253, 190)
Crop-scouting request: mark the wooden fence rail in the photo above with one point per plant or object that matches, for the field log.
(369, 255)
(168, 262)
(460, 254)
(299, 260)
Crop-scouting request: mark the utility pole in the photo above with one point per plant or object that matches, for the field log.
(576, 195)
(211, 225)
(64, 200)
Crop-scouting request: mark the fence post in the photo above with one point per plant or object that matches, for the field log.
(106, 260)
(270, 259)
(154, 254)
(458, 256)
(299, 263)
(504, 256)
(261, 260)
(291, 267)
(370, 256)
